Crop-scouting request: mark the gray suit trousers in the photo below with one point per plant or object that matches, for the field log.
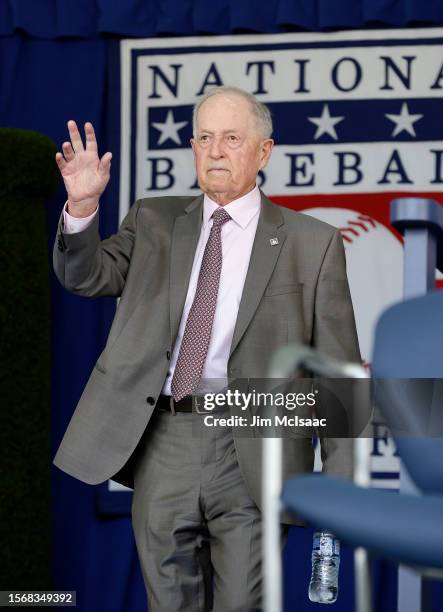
(190, 499)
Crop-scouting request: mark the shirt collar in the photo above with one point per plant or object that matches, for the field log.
(242, 210)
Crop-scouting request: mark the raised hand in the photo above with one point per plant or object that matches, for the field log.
(85, 175)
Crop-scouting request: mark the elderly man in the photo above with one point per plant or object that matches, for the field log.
(210, 286)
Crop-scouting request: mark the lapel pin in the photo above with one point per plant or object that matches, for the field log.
(273, 241)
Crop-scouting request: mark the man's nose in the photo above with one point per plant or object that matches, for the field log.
(216, 149)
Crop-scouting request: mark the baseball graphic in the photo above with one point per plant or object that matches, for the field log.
(374, 261)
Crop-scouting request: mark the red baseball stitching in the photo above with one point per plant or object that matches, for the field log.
(354, 228)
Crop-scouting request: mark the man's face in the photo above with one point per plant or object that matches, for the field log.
(229, 149)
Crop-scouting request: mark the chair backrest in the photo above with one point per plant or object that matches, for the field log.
(407, 367)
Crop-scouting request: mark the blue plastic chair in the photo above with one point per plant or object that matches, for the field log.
(405, 528)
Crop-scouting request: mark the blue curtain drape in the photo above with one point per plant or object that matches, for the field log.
(145, 18)
(59, 60)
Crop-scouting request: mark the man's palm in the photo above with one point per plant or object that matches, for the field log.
(85, 175)
(82, 177)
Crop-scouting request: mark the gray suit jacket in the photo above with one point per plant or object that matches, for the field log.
(295, 291)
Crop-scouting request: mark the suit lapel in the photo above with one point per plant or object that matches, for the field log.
(185, 236)
(264, 255)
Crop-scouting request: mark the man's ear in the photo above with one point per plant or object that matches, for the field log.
(265, 151)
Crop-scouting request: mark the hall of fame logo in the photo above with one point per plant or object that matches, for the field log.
(357, 122)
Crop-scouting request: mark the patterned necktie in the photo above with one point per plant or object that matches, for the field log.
(197, 334)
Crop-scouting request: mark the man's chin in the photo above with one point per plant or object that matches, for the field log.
(217, 186)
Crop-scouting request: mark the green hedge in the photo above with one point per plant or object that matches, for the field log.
(28, 177)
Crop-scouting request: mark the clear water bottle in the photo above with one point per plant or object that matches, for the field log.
(323, 587)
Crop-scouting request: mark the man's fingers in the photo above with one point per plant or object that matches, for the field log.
(91, 141)
(60, 160)
(105, 163)
(74, 134)
(68, 151)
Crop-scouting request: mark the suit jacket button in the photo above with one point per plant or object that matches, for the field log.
(150, 400)
(168, 355)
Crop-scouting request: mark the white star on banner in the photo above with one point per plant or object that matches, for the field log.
(404, 121)
(325, 123)
(169, 129)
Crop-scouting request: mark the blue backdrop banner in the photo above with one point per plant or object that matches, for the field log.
(143, 18)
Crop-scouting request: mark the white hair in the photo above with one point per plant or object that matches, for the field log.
(260, 111)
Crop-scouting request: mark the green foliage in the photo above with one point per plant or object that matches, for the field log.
(28, 177)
